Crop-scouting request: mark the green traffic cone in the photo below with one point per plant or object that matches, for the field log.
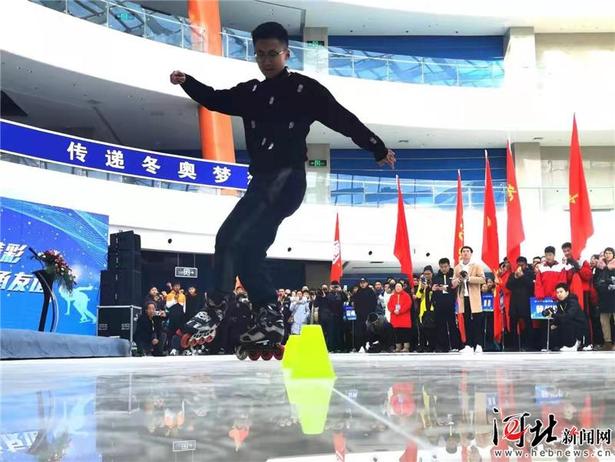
(311, 398)
(310, 360)
(290, 351)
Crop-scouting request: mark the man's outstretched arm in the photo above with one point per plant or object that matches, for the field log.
(225, 101)
(335, 116)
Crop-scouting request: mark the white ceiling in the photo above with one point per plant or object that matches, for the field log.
(424, 17)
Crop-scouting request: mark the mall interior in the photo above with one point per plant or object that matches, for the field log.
(439, 280)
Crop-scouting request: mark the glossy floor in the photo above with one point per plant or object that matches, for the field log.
(380, 408)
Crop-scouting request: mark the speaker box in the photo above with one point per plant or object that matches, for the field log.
(121, 287)
(124, 260)
(126, 240)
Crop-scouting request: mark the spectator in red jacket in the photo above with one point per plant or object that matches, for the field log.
(578, 275)
(399, 306)
(549, 275)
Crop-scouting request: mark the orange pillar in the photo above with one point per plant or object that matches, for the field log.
(215, 128)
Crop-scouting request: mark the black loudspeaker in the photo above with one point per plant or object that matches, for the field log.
(124, 260)
(121, 287)
(126, 240)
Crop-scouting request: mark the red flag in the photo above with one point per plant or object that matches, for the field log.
(491, 251)
(458, 241)
(336, 263)
(514, 232)
(581, 224)
(402, 242)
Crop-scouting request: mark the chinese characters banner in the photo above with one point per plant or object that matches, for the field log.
(88, 154)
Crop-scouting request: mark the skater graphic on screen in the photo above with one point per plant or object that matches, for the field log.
(80, 300)
(277, 113)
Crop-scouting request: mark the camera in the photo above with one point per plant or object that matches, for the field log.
(548, 312)
(463, 274)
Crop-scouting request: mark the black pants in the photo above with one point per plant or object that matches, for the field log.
(446, 328)
(525, 340)
(474, 323)
(563, 335)
(250, 229)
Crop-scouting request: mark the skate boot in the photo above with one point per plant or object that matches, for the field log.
(262, 340)
(201, 328)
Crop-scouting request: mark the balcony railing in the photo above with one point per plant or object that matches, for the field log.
(132, 18)
(355, 191)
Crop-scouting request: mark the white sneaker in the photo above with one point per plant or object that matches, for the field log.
(574, 347)
(467, 350)
(454, 350)
(588, 348)
(478, 349)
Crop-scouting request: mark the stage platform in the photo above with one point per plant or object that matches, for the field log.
(29, 344)
(406, 407)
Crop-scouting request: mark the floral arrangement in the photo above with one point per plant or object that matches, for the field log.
(56, 267)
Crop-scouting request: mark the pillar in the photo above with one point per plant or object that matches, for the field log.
(215, 129)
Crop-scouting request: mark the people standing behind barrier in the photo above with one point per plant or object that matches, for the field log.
(468, 279)
(444, 298)
(604, 281)
(400, 305)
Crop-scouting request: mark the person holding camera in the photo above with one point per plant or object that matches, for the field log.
(604, 282)
(468, 278)
(365, 301)
(521, 287)
(569, 326)
(447, 333)
(149, 335)
(427, 316)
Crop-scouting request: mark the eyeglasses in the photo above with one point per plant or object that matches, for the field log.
(269, 55)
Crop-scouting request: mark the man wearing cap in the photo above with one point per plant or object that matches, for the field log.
(365, 302)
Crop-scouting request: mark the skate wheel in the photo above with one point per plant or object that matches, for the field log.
(185, 341)
(193, 342)
(202, 340)
(241, 353)
(210, 338)
(278, 352)
(254, 355)
(267, 355)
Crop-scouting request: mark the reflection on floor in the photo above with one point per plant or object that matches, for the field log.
(380, 408)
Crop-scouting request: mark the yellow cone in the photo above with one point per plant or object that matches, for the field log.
(309, 359)
(290, 351)
(311, 398)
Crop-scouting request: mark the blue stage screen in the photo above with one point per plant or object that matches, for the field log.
(80, 236)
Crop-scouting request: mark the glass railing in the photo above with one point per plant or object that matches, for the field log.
(362, 191)
(132, 18)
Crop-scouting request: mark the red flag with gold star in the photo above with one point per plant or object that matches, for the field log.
(458, 243)
(514, 226)
(581, 224)
(491, 249)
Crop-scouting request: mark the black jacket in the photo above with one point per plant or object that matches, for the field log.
(569, 312)
(438, 298)
(147, 329)
(365, 302)
(520, 292)
(277, 114)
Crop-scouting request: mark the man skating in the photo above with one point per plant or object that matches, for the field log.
(277, 113)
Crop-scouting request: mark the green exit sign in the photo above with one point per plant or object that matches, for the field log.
(317, 163)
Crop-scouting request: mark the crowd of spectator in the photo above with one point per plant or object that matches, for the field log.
(438, 311)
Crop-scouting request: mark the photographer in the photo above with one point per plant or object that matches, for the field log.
(604, 282)
(569, 327)
(427, 317)
(468, 278)
(443, 298)
(521, 286)
(148, 334)
(380, 334)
